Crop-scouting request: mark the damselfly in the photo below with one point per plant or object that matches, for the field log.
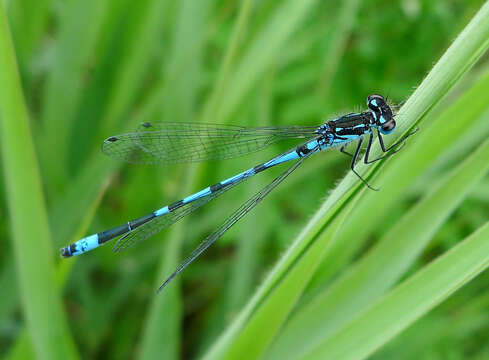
(193, 142)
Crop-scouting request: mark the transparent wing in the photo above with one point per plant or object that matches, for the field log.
(167, 143)
(231, 220)
(154, 226)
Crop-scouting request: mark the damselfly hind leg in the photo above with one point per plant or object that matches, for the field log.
(342, 149)
(353, 161)
(401, 141)
(367, 152)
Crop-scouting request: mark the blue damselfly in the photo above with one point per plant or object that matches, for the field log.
(168, 143)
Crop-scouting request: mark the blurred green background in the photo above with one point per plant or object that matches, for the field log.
(92, 69)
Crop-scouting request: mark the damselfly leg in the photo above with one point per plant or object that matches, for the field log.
(353, 162)
(401, 142)
(342, 149)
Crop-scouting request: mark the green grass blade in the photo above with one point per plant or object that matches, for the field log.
(371, 277)
(42, 304)
(438, 328)
(409, 301)
(78, 33)
(131, 73)
(28, 20)
(273, 311)
(262, 52)
(152, 60)
(225, 70)
(85, 191)
(161, 333)
(344, 23)
(465, 51)
(471, 41)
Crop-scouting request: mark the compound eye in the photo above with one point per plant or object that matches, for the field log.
(388, 126)
(374, 102)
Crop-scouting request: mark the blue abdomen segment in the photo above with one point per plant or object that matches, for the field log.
(292, 155)
(86, 244)
(162, 211)
(93, 241)
(197, 195)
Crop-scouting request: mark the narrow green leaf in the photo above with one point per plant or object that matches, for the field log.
(439, 327)
(409, 301)
(42, 304)
(161, 333)
(129, 76)
(343, 26)
(371, 277)
(262, 52)
(223, 78)
(272, 313)
(78, 32)
(28, 20)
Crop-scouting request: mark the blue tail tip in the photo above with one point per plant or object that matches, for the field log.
(65, 252)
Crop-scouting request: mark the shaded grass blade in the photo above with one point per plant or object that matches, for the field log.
(78, 34)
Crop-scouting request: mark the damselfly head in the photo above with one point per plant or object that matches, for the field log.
(384, 117)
